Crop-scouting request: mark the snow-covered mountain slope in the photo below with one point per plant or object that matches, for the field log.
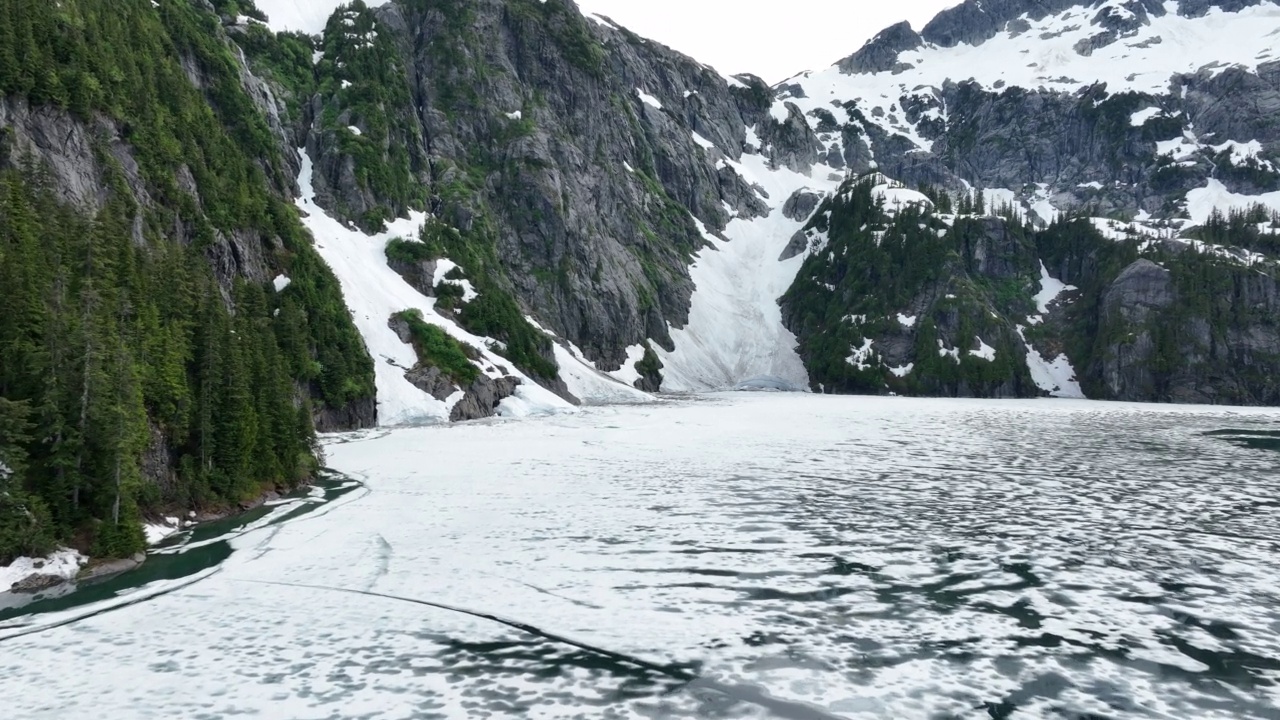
(374, 293)
(1127, 44)
(1192, 89)
(305, 16)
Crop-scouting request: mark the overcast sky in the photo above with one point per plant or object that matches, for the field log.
(774, 39)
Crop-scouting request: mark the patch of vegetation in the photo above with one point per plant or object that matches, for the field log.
(409, 252)
(567, 29)
(495, 314)
(650, 368)
(437, 348)
(285, 59)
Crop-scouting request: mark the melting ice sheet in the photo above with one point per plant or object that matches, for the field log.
(853, 557)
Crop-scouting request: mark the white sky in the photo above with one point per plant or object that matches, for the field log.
(774, 40)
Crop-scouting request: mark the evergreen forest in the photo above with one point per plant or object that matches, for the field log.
(148, 363)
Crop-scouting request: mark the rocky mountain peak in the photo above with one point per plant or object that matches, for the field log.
(881, 52)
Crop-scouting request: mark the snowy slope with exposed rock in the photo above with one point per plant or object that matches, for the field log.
(305, 16)
(1201, 78)
(1155, 117)
(374, 292)
(1130, 46)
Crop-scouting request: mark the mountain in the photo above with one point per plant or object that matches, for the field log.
(1129, 127)
(227, 224)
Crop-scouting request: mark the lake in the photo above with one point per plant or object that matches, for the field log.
(749, 555)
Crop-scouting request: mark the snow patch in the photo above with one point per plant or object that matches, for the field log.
(896, 197)
(444, 266)
(628, 373)
(586, 381)
(649, 99)
(861, 355)
(1141, 117)
(735, 329)
(1050, 289)
(984, 351)
(944, 351)
(157, 532)
(65, 564)
(1056, 377)
(1201, 202)
(703, 142)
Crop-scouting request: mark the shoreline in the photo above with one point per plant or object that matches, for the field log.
(38, 578)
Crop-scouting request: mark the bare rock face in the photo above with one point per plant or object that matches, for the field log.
(35, 583)
(801, 204)
(797, 245)
(1132, 303)
(791, 143)
(56, 140)
(1143, 288)
(420, 275)
(357, 415)
(881, 53)
(1162, 346)
(482, 398)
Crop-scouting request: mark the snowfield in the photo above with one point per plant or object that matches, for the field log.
(305, 16)
(824, 557)
(1045, 57)
(735, 329)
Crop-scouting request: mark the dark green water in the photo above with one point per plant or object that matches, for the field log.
(183, 555)
(1254, 439)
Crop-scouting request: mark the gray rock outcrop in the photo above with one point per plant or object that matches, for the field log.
(35, 583)
(880, 54)
(481, 396)
(801, 205)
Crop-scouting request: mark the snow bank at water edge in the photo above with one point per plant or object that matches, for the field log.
(64, 564)
(374, 292)
(588, 383)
